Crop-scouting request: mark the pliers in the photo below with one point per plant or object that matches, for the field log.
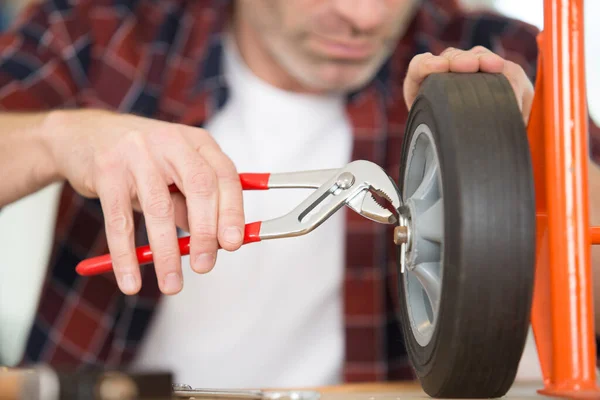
(361, 185)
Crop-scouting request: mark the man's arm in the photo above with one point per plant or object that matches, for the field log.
(25, 160)
(39, 71)
(123, 160)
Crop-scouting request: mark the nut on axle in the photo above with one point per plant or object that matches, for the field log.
(400, 235)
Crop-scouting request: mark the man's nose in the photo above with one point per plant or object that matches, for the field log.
(364, 15)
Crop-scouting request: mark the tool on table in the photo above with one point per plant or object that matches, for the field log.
(186, 391)
(361, 185)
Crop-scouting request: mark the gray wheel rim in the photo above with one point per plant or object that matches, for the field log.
(423, 198)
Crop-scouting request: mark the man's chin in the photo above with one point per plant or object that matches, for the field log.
(331, 76)
(347, 81)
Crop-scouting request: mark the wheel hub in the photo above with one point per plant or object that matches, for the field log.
(420, 234)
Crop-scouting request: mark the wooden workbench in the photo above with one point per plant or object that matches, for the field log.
(397, 391)
(9, 389)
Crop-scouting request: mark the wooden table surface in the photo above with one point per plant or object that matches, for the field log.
(396, 391)
(10, 384)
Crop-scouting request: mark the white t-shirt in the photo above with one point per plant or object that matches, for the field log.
(26, 233)
(269, 314)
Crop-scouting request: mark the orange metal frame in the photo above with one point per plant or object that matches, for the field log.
(563, 312)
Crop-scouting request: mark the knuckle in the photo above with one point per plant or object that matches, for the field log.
(203, 182)
(89, 183)
(456, 54)
(107, 162)
(168, 258)
(204, 231)
(204, 135)
(207, 145)
(163, 136)
(134, 147)
(121, 260)
(199, 137)
(118, 221)
(451, 53)
(423, 56)
(160, 207)
(417, 60)
(480, 49)
(134, 139)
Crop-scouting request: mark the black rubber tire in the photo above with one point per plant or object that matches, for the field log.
(489, 236)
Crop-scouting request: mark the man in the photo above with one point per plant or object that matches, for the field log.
(110, 97)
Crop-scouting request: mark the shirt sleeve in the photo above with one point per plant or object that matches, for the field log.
(45, 56)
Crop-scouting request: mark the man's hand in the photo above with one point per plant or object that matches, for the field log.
(477, 59)
(129, 162)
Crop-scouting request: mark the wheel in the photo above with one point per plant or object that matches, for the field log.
(468, 211)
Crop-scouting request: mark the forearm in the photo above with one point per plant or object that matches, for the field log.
(25, 160)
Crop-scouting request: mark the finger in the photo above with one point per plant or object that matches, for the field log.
(181, 214)
(200, 188)
(231, 209)
(523, 88)
(231, 217)
(488, 61)
(118, 220)
(474, 60)
(419, 68)
(159, 215)
(518, 81)
(527, 102)
(461, 61)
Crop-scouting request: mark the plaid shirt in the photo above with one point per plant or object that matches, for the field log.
(162, 59)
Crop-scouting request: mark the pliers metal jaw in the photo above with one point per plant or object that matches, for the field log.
(361, 185)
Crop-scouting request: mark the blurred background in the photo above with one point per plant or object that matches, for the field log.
(530, 11)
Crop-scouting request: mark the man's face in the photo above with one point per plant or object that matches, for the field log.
(328, 45)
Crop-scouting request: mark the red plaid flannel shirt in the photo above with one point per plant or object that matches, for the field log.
(162, 59)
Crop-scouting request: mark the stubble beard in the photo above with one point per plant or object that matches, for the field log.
(310, 70)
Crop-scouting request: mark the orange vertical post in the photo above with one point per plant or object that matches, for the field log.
(564, 279)
(541, 308)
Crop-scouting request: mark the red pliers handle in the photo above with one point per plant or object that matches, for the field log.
(102, 264)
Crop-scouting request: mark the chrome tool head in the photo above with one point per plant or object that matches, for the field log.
(379, 199)
(361, 185)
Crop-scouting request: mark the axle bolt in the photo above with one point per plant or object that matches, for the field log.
(400, 235)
